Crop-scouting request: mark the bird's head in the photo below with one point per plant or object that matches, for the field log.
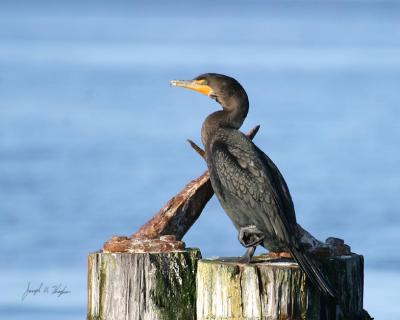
(225, 90)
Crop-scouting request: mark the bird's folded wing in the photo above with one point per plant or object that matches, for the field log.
(245, 172)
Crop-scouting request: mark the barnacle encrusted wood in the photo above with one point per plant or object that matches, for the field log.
(125, 244)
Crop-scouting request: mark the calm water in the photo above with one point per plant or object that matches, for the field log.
(92, 138)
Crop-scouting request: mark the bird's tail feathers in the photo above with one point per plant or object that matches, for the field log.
(312, 271)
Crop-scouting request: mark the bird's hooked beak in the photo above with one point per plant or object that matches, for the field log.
(196, 85)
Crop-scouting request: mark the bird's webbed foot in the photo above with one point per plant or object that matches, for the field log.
(250, 236)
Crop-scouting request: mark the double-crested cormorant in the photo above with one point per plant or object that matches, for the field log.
(247, 183)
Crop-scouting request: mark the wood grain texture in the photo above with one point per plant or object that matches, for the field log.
(272, 290)
(145, 286)
(179, 214)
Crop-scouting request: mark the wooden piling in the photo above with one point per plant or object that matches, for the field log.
(150, 274)
(277, 290)
(145, 285)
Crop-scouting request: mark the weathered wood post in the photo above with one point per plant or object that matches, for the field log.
(143, 285)
(273, 289)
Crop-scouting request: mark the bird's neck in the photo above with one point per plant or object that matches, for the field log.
(231, 116)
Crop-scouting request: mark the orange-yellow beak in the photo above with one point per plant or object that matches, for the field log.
(196, 85)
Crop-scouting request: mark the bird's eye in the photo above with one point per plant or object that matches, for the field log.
(202, 82)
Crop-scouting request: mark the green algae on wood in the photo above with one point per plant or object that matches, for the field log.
(156, 286)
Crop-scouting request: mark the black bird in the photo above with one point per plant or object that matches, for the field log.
(247, 183)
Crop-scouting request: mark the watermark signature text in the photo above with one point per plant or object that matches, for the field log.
(57, 290)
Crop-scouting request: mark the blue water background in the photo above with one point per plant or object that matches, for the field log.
(92, 138)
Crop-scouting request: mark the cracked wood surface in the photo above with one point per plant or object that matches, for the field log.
(142, 286)
(277, 289)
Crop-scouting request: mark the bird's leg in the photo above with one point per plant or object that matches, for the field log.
(250, 236)
(246, 258)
